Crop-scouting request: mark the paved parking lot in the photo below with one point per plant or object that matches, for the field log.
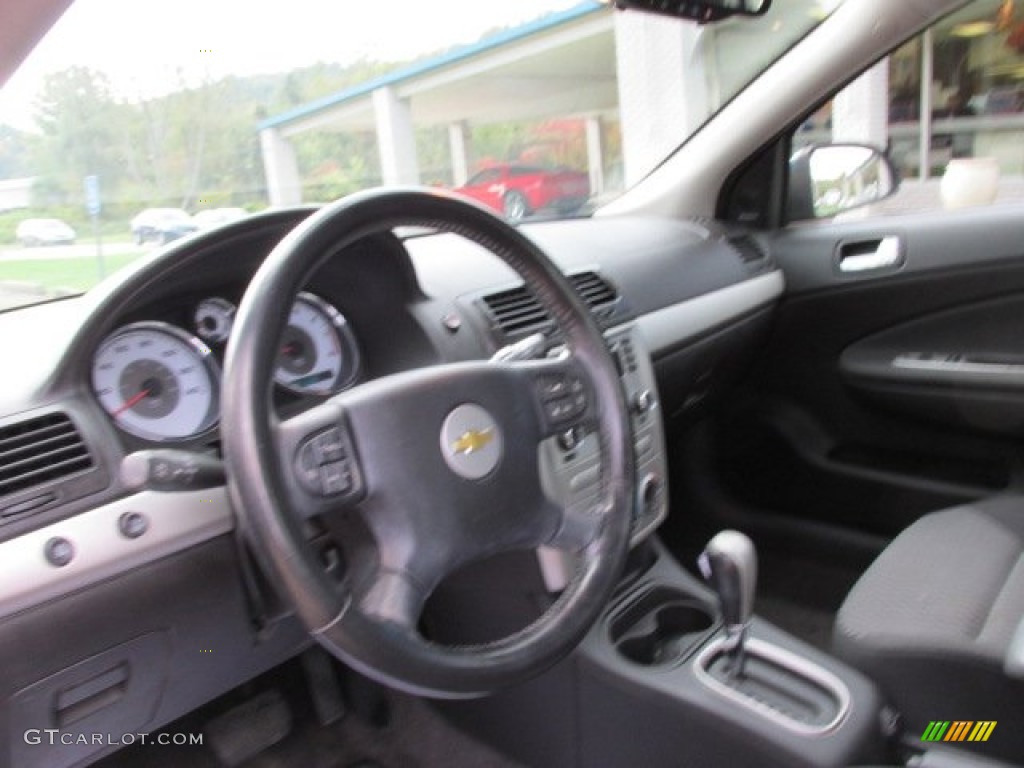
(85, 249)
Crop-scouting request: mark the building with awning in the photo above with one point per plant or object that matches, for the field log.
(655, 81)
(559, 66)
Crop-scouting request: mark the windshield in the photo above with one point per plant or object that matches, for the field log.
(135, 124)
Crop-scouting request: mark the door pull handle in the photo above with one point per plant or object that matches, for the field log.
(870, 255)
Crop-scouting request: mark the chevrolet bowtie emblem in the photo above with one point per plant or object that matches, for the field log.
(473, 440)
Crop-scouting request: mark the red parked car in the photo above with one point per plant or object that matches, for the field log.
(518, 190)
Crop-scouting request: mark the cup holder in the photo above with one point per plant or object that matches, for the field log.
(661, 626)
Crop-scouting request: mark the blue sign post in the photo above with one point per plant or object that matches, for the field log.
(93, 205)
(92, 195)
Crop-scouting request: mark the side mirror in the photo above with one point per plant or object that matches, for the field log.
(825, 180)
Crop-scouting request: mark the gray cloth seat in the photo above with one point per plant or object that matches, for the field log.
(932, 618)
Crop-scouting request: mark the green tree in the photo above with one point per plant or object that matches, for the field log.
(75, 113)
(15, 147)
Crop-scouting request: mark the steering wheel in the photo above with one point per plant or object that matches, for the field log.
(441, 463)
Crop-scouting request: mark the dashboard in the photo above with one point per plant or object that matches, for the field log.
(106, 571)
(160, 381)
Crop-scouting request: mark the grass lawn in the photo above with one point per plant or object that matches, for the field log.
(77, 273)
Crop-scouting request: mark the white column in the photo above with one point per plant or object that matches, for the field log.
(396, 138)
(458, 147)
(284, 186)
(663, 92)
(924, 133)
(595, 155)
(860, 112)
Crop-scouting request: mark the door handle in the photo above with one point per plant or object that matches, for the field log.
(870, 255)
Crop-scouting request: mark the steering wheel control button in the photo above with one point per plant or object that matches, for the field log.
(132, 524)
(552, 387)
(562, 396)
(471, 442)
(335, 478)
(565, 408)
(329, 447)
(558, 410)
(559, 385)
(307, 468)
(59, 551)
(324, 465)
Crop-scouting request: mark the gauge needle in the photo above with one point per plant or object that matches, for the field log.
(130, 403)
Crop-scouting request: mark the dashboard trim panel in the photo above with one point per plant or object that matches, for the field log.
(675, 326)
(175, 522)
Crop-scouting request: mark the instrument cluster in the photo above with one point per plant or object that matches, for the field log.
(160, 382)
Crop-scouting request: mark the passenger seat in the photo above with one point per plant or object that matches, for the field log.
(936, 621)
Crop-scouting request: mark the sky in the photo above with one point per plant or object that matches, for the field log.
(148, 46)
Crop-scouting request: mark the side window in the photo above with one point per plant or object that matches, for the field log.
(484, 177)
(524, 170)
(949, 104)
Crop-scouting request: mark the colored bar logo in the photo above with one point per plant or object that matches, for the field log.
(958, 730)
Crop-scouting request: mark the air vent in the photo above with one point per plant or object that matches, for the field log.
(40, 450)
(594, 289)
(749, 250)
(517, 310)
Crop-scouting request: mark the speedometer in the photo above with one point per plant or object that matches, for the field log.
(157, 382)
(318, 353)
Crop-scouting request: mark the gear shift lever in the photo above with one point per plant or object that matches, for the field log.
(729, 565)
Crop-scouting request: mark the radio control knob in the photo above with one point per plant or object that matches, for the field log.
(650, 494)
(643, 401)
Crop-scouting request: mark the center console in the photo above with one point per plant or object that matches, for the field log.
(673, 673)
(660, 663)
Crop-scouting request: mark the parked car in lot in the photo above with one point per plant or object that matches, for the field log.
(33, 232)
(516, 190)
(728, 474)
(162, 225)
(214, 217)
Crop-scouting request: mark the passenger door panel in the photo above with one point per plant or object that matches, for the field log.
(963, 368)
(850, 418)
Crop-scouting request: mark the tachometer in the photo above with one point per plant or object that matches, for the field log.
(214, 318)
(157, 382)
(318, 353)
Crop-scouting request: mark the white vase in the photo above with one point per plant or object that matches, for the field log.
(969, 181)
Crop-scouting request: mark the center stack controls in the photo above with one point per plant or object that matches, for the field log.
(572, 459)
